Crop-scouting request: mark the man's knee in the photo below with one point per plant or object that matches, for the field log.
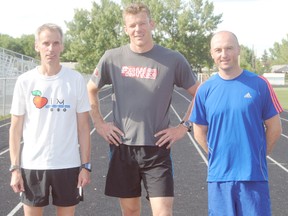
(162, 206)
(130, 206)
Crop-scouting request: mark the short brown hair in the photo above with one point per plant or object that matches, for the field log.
(135, 8)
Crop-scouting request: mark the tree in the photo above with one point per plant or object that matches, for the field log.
(10, 43)
(27, 45)
(186, 26)
(247, 59)
(91, 33)
(183, 26)
(23, 45)
(265, 63)
(279, 53)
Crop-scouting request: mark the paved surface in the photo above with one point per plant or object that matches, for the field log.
(189, 165)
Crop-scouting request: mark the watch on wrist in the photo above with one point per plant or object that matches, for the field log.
(87, 166)
(14, 167)
(187, 124)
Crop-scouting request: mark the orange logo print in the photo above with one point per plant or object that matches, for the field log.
(39, 101)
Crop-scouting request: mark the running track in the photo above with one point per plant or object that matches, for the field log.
(190, 166)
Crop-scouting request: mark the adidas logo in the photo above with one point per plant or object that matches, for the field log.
(247, 95)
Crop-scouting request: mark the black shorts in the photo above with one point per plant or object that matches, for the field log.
(130, 165)
(61, 183)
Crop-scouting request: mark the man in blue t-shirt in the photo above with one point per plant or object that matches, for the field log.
(236, 121)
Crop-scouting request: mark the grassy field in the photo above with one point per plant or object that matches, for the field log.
(282, 94)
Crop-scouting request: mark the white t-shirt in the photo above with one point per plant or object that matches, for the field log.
(49, 105)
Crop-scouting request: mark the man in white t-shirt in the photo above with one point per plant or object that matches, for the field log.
(50, 109)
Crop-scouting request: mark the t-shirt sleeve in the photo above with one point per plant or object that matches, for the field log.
(185, 77)
(198, 114)
(271, 106)
(18, 101)
(83, 104)
(101, 74)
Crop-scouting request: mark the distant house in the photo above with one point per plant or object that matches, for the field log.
(275, 78)
(279, 69)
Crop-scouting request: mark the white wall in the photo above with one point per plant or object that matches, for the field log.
(275, 78)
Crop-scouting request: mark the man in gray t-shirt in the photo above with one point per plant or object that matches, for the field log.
(143, 76)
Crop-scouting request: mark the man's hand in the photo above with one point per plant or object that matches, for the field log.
(83, 178)
(110, 132)
(170, 135)
(17, 181)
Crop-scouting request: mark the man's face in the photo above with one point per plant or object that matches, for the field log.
(225, 51)
(49, 45)
(139, 29)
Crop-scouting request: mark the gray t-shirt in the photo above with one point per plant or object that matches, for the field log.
(143, 84)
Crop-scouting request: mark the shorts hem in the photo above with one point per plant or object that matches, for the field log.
(35, 204)
(66, 205)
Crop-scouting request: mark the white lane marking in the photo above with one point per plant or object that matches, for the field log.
(14, 211)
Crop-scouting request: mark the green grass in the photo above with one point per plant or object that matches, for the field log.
(4, 117)
(282, 94)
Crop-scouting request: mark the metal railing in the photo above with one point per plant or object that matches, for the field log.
(12, 64)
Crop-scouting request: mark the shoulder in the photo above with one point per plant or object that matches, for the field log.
(256, 77)
(116, 51)
(167, 51)
(209, 85)
(74, 74)
(27, 75)
(212, 80)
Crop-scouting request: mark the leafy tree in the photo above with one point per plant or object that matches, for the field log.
(10, 43)
(183, 26)
(265, 63)
(186, 26)
(90, 34)
(247, 59)
(23, 45)
(27, 45)
(279, 53)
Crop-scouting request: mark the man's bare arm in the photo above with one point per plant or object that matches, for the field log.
(200, 134)
(105, 129)
(273, 132)
(15, 135)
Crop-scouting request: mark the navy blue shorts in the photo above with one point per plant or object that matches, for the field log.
(131, 165)
(61, 184)
(239, 198)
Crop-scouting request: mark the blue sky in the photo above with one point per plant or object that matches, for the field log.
(258, 24)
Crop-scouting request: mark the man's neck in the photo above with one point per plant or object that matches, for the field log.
(230, 74)
(141, 49)
(49, 69)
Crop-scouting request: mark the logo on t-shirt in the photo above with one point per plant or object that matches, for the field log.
(248, 95)
(56, 104)
(38, 100)
(96, 72)
(139, 72)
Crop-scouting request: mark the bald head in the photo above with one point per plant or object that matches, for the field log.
(227, 36)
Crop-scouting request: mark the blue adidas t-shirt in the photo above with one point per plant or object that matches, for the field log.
(235, 111)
